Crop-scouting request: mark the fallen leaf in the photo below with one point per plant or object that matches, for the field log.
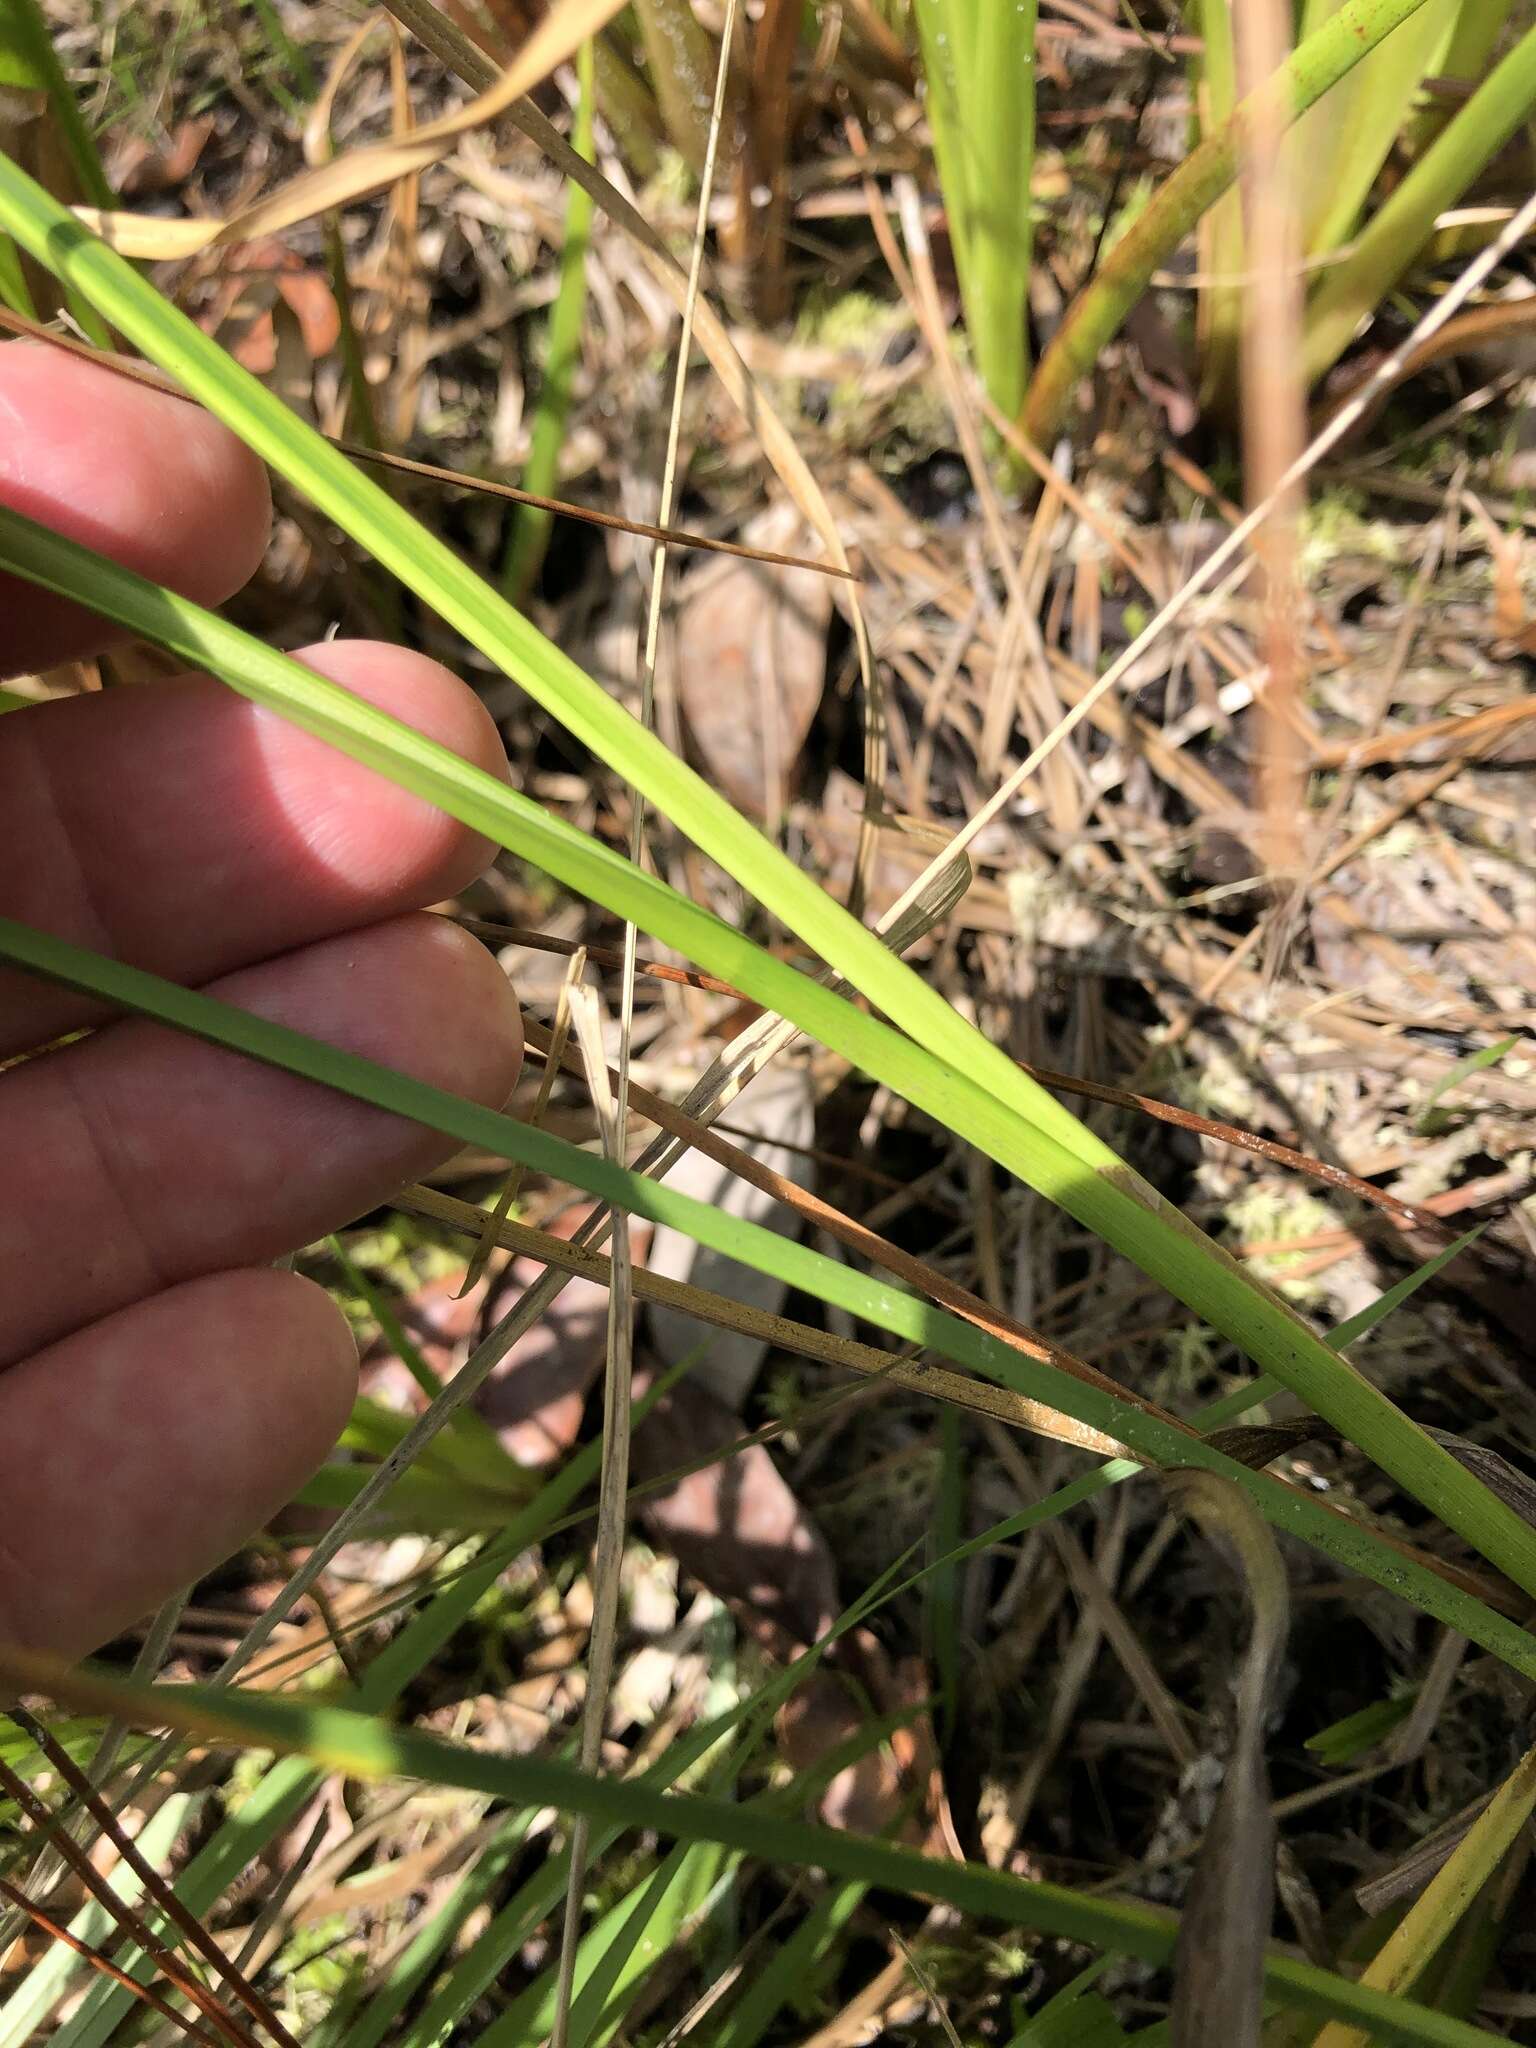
(779, 1107)
(143, 169)
(734, 1523)
(749, 652)
(535, 1396)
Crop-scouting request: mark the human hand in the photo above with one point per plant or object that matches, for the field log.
(163, 1389)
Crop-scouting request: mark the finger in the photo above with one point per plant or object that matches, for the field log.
(139, 1453)
(141, 476)
(139, 1158)
(176, 826)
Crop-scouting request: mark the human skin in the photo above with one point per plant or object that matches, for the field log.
(164, 1389)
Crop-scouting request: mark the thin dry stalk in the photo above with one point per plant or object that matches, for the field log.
(48, 1865)
(431, 472)
(613, 1116)
(132, 1923)
(104, 1965)
(613, 1487)
(155, 1886)
(915, 1376)
(497, 1214)
(1274, 427)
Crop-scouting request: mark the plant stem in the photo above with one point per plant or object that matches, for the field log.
(980, 64)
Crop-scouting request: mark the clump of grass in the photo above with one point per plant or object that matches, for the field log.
(682, 1882)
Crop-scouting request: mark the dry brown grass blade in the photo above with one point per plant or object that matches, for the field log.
(362, 172)
(1218, 1998)
(431, 472)
(670, 536)
(104, 1966)
(613, 1491)
(913, 1376)
(1124, 664)
(1455, 737)
(50, 1826)
(318, 147)
(155, 1886)
(913, 1272)
(927, 1280)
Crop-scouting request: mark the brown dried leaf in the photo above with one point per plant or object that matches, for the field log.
(779, 1104)
(750, 652)
(143, 169)
(734, 1524)
(893, 1789)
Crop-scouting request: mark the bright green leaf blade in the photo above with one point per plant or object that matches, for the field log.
(1470, 1063)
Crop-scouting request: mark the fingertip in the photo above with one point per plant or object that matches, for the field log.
(319, 1370)
(469, 1034)
(383, 841)
(417, 690)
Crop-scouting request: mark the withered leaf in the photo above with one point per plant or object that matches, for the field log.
(750, 652)
(733, 1523)
(779, 1105)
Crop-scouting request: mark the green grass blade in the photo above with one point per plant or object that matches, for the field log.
(28, 60)
(969, 1083)
(1059, 1157)
(24, 2012)
(787, 1970)
(979, 64)
(29, 65)
(1219, 307)
(363, 2021)
(1463, 1069)
(538, 1896)
(1400, 228)
(1476, 33)
(1336, 152)
(282, 1793)
(753, 1244)
(615, 1955)
(531, 524)
(13, 281)
(368, 1748)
